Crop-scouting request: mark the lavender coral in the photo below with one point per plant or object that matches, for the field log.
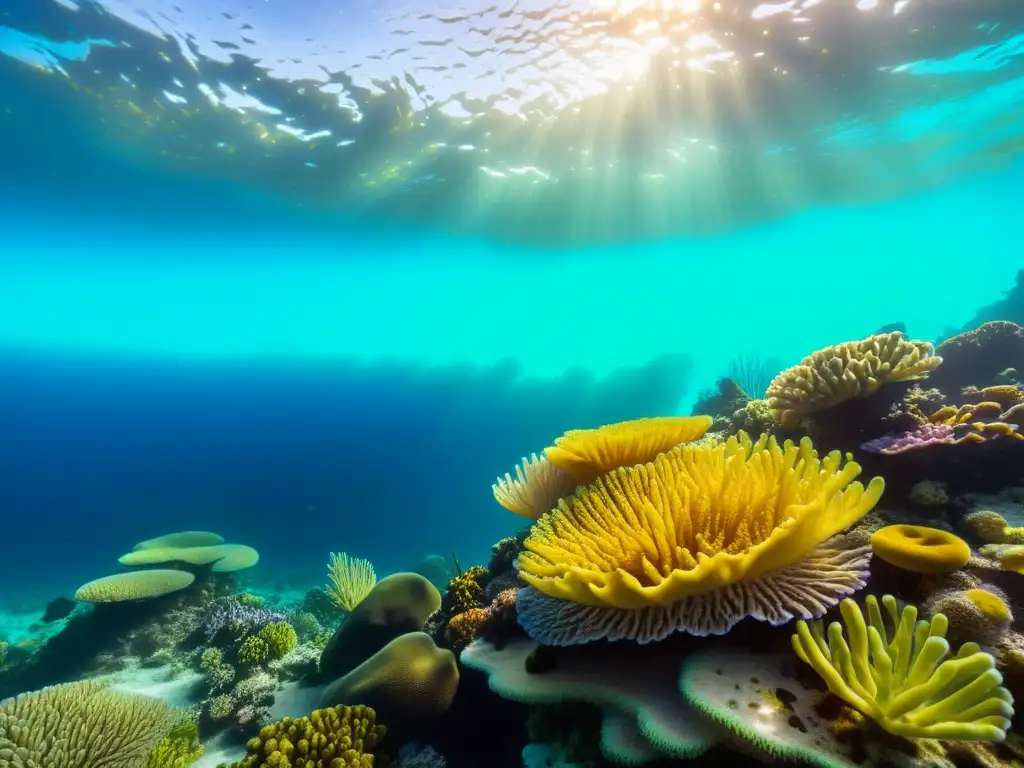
(238, 619)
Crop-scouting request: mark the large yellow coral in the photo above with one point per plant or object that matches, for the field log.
(696, 521)
(907, 684)
(852, 369)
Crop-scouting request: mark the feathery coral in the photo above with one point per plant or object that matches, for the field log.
(585, 454)
(920, 549)
(81, 723)
(352, 578)
(905, 682)
(735, 527)
(844, 371)
(334, 737)
(536, 488)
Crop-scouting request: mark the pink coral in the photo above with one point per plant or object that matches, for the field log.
(921, 437)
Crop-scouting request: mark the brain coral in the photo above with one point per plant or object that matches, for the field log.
(695, 541)
(81, 724)
(852, 369)
(136, 585)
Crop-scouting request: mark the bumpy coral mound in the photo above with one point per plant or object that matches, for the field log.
(976, 357)
(695, 541)
(904, 679)
(182, 539)
(410, 680)
(224, 557)
(920, 549)
(81, 724)
(137, 585)
(585, 454)
(536, 488)
(842, 372)
(274, 641)
(334, 737)
(396, 605)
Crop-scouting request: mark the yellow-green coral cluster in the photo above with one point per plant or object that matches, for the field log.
(274, 641)
(179, 748)
(905, 680)
(351, 580)
(465, 591)
(336, 737)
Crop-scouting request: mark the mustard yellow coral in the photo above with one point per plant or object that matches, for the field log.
(904, 680)
(586, 454)
(990, 604)
(334, 737)
(696, 520)
(920, 549)
(844, 371)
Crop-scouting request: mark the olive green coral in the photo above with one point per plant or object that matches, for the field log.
(82, 724)
(852, 369)
(336, 737)
(274, 641)
(905, 681)
(179, 748)
(134, 585)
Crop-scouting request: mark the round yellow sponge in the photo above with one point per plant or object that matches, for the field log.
(920, 549)
(136, 585)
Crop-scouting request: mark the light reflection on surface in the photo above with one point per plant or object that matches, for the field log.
(575, 120)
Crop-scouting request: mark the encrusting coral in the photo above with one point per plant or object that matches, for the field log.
(334, 737)
(905, 680)
(920, 549)
(352, 579)
(844, 371)
(695, 541)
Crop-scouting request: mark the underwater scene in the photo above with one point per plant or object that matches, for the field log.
(529, 383)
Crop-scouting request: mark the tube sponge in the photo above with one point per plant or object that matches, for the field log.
(905, 682)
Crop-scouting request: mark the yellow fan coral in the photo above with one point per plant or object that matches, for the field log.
(852, 369)
(588, 453)
(694, 541)
(352, 578)
(536, 488)
(906, 683)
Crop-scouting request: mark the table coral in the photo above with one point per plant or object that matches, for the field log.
(695, 541)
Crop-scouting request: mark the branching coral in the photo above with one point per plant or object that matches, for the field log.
(905, 681)
(695, 541)
(335, 737)
(852, 369)
(79, 724)
(352, 578)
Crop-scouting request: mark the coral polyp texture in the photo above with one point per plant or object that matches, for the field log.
(334, 737)
(536, 488)
(695, 541)
(905, 680)
(135, 585)
(586, 454)
(845, 371)
(82, 724)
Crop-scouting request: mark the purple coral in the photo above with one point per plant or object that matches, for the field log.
(921, 437)
(239, 619)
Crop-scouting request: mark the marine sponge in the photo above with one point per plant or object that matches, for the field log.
(585, 454)
(695, 541)
(82, 723)
(135, 585)
(920, 549)
(978, 614)
(333, 737)
(852, 369)
(410, 680)
(351, 578)
(904, 680)
(536, 488)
